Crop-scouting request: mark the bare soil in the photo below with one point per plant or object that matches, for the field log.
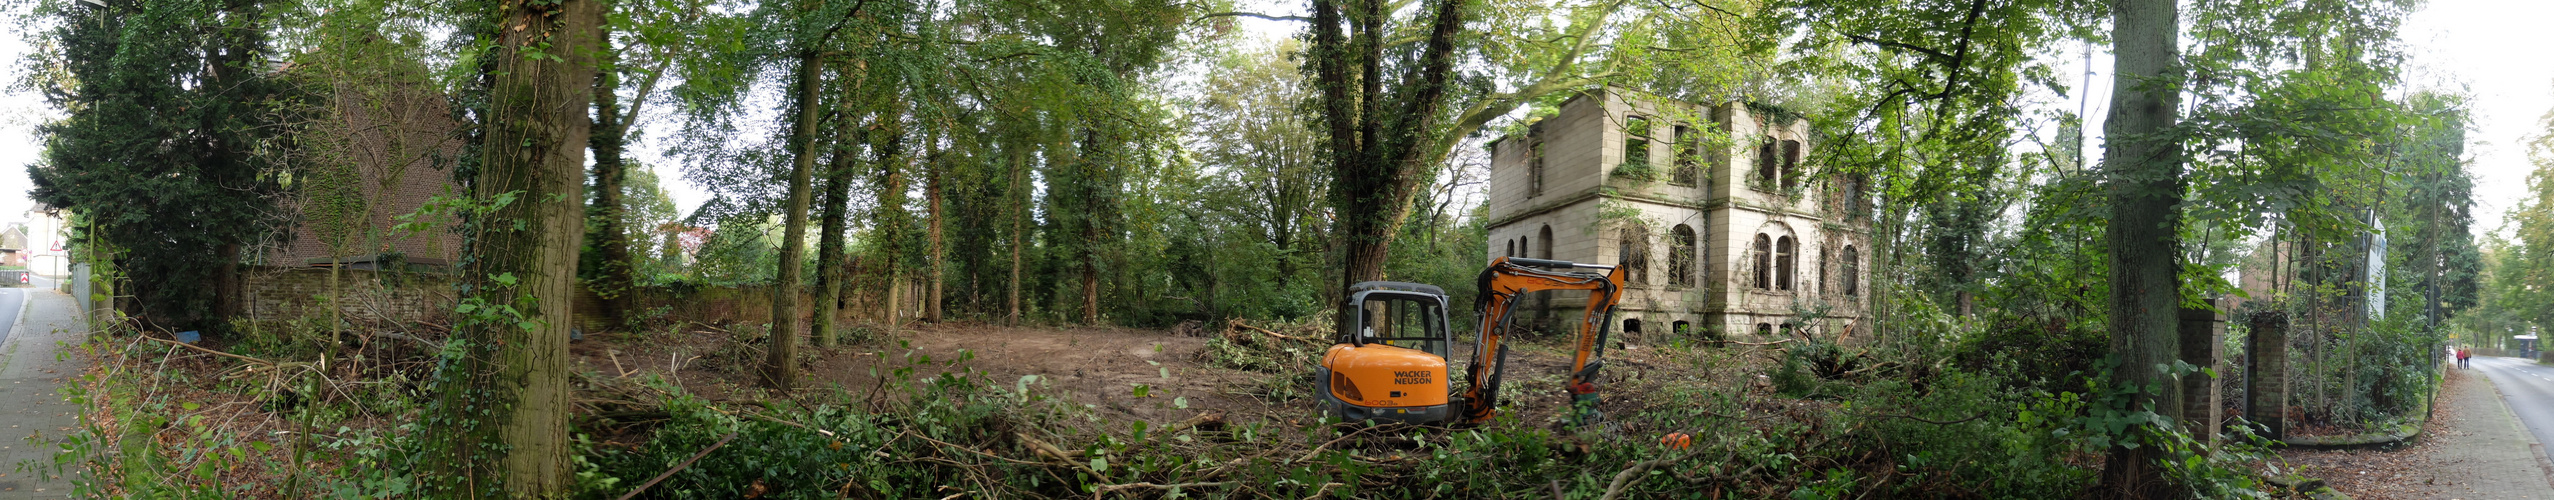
(1104, 367)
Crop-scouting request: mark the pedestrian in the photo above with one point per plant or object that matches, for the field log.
(2464, 357)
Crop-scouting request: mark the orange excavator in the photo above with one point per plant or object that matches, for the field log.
(1390, 362)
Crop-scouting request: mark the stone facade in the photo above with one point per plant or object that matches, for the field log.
(1723, 229)
(374, 298)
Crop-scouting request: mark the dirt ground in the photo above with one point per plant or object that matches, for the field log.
(1103, 368)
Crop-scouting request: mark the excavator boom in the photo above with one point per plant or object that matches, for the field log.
(1506, 281)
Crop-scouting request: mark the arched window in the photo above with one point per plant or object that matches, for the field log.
(1764, 269)
(1680, 256)
(1790, 164)
(1783, 263)
(1546, 234)
(1635, 255)
(1525, 247)
(1631, 326)
(1764, 329)
(1766, 160)
(1852, 271)
(1511, 249)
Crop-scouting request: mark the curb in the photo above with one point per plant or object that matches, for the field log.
(2307, 487)
(2402, 433)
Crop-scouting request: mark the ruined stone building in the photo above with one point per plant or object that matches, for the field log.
(1722, 231)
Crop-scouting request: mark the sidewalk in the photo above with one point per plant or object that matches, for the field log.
(2479, 452)
(29, 405)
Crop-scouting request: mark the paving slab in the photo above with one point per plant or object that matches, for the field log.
(34, 364)
(2484, 453)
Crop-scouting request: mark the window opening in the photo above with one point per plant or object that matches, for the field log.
(1546, 235)
(1764, 260)
(1635, 255)
(1852, 271)
(1685, 173)
(1790, 165)
(1680, 257)
(1783, 263)
(1636, 142)
(1534, 160)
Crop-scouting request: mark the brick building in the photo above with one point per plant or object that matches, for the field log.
(1720, 227)
(400, 148)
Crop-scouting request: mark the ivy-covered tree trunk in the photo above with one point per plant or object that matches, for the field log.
(503, 419)
(888, 224)
(780, 363)
(2144, 167)
(829, 245)
(612, 280)
(1377, 141)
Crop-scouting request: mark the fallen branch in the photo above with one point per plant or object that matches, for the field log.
(1210, 417)
(1324, 491)
(1165, 487)
(687, 463)
(210, 351)
(1760, 344)
(1270, 333)
(1058, 454)
(1623, 479)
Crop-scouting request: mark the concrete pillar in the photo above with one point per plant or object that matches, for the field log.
(2203, 340)
(2266, 377)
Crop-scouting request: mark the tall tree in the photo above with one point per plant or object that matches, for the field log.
(501, 423)
(612, 277)
(833, 219)
(166, 103)
(2144, 164)
(1377, 133)
(780, 364)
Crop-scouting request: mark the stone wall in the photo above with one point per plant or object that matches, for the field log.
(407, 298)
(371, 297)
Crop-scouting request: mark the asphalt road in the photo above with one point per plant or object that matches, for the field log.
(11, 301)
(2529, 388)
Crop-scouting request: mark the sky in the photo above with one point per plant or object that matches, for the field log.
(2495, 50)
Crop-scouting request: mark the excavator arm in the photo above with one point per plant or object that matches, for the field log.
(1501, 285)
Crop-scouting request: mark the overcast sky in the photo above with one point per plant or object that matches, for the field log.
(2496, 50)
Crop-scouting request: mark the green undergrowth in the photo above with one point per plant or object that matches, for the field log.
(1889, 421)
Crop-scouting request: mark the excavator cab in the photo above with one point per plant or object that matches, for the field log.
(1390, 360)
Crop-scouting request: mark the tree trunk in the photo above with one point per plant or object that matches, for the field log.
(829, 245)
(2145, 186)
(1019, 214)
(613, 280)
(226, 284)
(931, 195)
(890, 224)
(780, 363)
(504, 413)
